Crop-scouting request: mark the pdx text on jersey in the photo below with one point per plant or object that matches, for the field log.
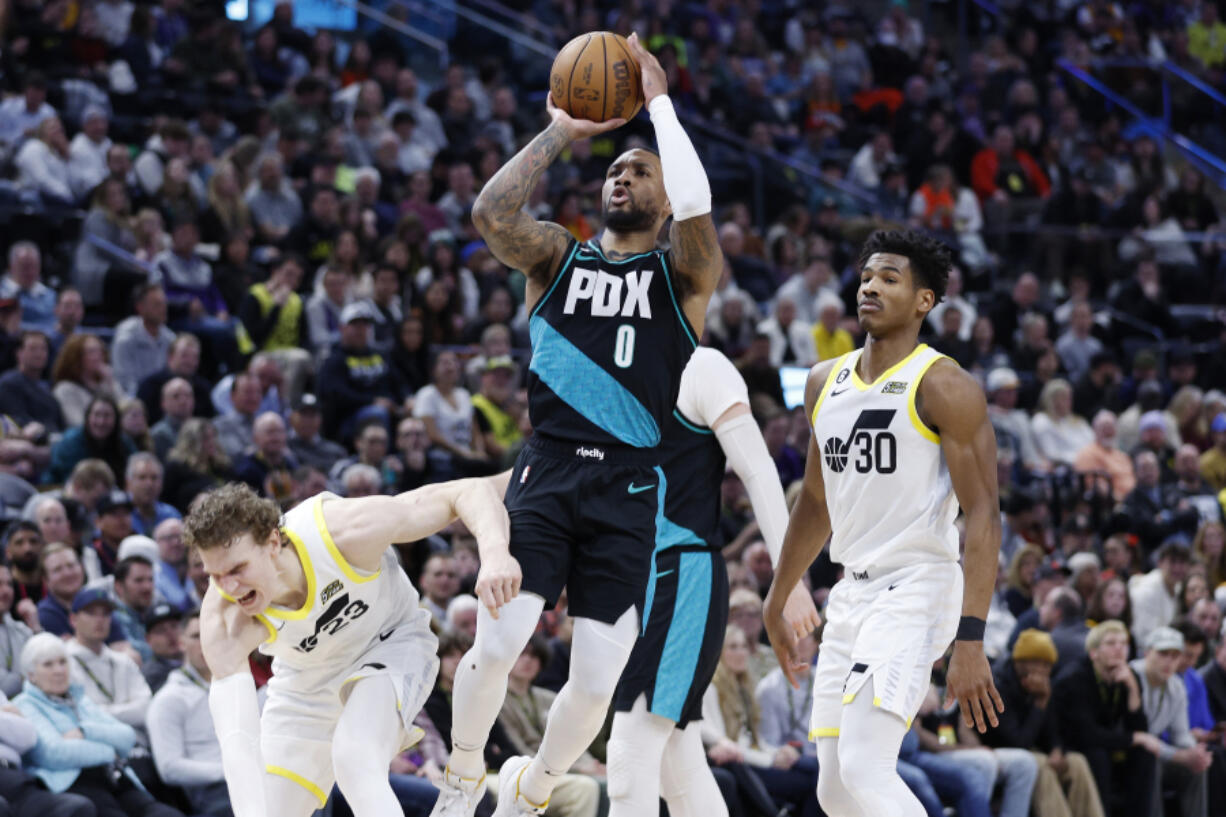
(610, 295)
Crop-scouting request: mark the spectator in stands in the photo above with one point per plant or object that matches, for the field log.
(102, 280)
(42, 163)
(412, 458)
(143, 481)
(1059, 433)
(523, 717)
(360, 480)
(1024, 681)
(64, 577)
(142, 342)
(314, 238)
(356, 382)
(1077, 347)
(114, 524)
(1143, 301)
(792, 341)
(1002, 171)
(1155, 510)
(196, 464)
(99, 436)
(324, 310)
(1099, 388)
(462, 614)
(163, 633)
(170, 570)
(110, 679)
(1102, 459)
(273, 317)
(172, 141)
(23, 546)
(1213, 461)
(183, 360)
(21, 115)
(22, 793)
(1023, 567)
(64, 759)
(87, 153)
(177, 404)
(234, 429)
(267, 466)
(81, 372)
(829, 339)
(1182, 761)
(133, 591)
(305, 441)
(1214, 676)
(1101, 714)
(185, 747)
(439, 585)
(17, 632)
(1209, 547)
(743, 605)
(275, 207)
(22, 280)
(370, 442)
(24, 396)
(69, 312)
(497, 413)
(1154, 602)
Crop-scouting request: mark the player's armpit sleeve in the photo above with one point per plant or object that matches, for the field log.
(236, 719)
(746, 452)
(685, 180)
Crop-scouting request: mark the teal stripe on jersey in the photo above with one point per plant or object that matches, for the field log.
(695, 428)
(587, 388)
(683, 644)
(668, 534)
(685, 322)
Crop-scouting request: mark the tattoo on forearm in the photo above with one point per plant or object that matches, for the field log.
(695, 249)
(515, 237)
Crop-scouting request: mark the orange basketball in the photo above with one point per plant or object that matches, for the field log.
(595, 77)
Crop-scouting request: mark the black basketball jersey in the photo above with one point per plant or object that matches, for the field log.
(692, 463)
(609, 343)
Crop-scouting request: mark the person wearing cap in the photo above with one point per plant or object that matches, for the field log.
(108, 677)
(181, 733)
(273, 316)
(495, 413)
(1102, 458)
(1009, 422)
(164, 634)
(114, 523)
(1182, 761)
(1065, 785)
(356, 383)
(1213, 461)
(1155, 509)
(309, 447)
(1153, 596)
(1100, 713)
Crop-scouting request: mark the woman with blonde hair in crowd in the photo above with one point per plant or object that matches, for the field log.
(151, 236)
(81, 373)
(1019, 591)
(731, 732)
(1209, 547)
(196, 464)
(227, 212)
(1185, 407)
(1059, 433)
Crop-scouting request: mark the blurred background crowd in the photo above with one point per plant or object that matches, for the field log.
(238, 246)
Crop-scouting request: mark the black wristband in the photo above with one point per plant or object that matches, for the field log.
(970, 628)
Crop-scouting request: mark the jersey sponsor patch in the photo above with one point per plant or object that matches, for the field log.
(843, 375)
(330, 591)
(894, 387)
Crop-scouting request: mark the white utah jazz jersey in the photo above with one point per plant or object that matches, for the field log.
(346, 610)
(888, 490)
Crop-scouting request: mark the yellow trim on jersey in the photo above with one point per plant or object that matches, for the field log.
(294, 777)
(888, 373)
(824, 732)
(912, 390)
(826, 387)
(334, 551)
(272, 631)
(309, 570)
(876, 701)
(849, 697)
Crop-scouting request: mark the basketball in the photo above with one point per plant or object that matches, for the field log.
(595, 77)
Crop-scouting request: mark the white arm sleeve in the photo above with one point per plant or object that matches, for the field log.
(746, 452)
(236, 719)
(685, 180)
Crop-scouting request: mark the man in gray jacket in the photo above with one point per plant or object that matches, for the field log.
(1182, 762)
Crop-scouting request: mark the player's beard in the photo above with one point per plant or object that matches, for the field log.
(630, 219)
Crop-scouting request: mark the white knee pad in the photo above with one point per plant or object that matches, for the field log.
(599, 653)
(635, 751)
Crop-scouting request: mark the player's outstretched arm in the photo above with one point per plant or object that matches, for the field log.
(807, 532)
(953, 403)
(514, 237)
(228, 636)
(695, 244)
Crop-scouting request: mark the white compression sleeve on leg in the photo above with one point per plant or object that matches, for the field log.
(636, 752)
(685, 180)
(236, 720)
(746, 452)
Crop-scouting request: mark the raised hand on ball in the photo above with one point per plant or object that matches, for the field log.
(579, 128)
(655, 81)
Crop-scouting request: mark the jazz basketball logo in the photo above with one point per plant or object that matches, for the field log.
(869, 446)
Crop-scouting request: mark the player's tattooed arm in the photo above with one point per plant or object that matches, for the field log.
(514, 237)
(699, 262)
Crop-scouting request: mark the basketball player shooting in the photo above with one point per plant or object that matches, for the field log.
(901, 438)
(353, 656)
(613, 323)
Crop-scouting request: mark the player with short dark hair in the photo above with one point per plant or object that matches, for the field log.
(901, 438)
(613, 323)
